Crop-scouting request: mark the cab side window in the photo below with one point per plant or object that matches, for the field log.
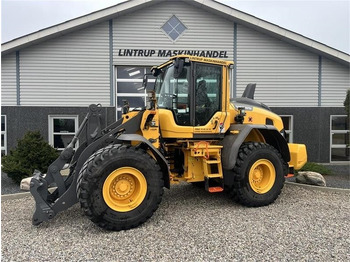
(181, 102)
(207, 92)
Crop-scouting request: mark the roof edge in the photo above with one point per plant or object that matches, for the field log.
(70, 25)
(276, 30)
(114, 11)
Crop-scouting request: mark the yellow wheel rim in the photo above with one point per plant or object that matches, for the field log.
(262, 176)
(124, 189)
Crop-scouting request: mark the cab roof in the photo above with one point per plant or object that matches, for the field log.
(200, 59)
(204, 60)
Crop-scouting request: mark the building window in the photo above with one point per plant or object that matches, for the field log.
(174, 28)
(62, 130)
(129, 87)
(3, 135)
(340, 149)
(288, 127)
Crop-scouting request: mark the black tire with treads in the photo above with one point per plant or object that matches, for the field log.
(249, 154)
(95, 172)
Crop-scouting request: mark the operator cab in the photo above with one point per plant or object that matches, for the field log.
(191, 90)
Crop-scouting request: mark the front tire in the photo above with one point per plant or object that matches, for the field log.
(258, 174)
(120, 187)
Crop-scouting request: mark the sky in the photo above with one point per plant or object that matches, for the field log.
(326, 21)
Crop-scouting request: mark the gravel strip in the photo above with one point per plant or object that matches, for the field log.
(8, 186)
(190, 225)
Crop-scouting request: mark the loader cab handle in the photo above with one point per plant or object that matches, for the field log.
(145, 80)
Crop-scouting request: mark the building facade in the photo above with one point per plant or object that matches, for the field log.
(50, 77)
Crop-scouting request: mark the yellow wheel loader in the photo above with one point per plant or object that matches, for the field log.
(189, 131)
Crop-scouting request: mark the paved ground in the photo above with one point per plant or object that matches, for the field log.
(190, 225)
(340, 177)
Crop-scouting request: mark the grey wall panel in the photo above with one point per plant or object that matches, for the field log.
(142, 30)
(311, 127)
(71, 70)
(285, 74)
(335, 82)
(8, 80)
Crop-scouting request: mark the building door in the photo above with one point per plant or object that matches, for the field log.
(340, 137)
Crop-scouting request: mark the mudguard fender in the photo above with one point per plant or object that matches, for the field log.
(232, 142)
(160, 158)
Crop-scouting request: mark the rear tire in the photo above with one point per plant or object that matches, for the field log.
(120, 187)
(258, 175)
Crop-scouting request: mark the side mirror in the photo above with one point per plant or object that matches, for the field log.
(155, 71)
(178, 67)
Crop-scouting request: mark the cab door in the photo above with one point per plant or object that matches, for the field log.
(207, 103)
(174, 101)
(192, 102)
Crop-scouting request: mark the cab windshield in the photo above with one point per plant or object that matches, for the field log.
(172, 93)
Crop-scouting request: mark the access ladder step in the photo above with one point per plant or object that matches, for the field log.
(214, 185)
(214, 176)
(210, 162)
(215, 189)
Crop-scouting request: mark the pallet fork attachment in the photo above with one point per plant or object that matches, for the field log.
(48, 204)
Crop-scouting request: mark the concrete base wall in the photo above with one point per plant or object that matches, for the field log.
(311, 124)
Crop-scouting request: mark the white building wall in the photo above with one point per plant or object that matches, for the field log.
(335, 83)
(285, 75)
(72, 70)
(142, 30)
(8, 80)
